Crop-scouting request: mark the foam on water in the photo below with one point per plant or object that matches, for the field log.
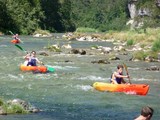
(3, 46)
(84, 87)
(140, 79)
(65, 67)
(11, 76)
(93, 78)
(133, 68)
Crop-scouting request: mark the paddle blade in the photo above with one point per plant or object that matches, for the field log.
(19, 47)
(50, 68)
(11, 32)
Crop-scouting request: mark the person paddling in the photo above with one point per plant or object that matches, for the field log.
(32, 59)
(16, 39)
(118, 77)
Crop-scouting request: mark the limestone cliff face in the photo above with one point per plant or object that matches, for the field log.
(134, 12)
(132, 8)
(158, 3)
(140, 12)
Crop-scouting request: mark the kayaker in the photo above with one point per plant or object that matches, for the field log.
(32, 59)
(146, 113)
(118, 77)
(18, 40)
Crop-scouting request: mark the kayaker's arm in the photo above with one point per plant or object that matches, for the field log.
(26, 56)
(40, 62)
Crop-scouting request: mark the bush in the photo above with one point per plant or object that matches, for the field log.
(140, 55)
(156, 46)
(86, 29)
(43, 32)
(153, 54)
(1, 102)
(130, 42)
(94, 46)
(16, 109)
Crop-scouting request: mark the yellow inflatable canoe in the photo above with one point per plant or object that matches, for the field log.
(138, 89)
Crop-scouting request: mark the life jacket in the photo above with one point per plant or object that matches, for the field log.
(32, 62)
(118, 80)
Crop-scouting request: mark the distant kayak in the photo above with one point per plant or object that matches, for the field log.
(15, 41)
(41, 69)
(138, 89)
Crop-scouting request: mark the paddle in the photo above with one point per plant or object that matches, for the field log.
(18, 46)
(125, 66)
(11, 32)
(49, 68)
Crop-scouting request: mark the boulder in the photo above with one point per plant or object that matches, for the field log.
(101, 61)
(153, 68)
(76, 51)
(25, 105)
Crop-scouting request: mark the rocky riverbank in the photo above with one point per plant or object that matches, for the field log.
(121, 49)
(135, 49)
(16, 106)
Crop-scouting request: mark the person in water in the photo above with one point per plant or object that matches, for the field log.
(118, 77)
(146, 113)
(32, 59)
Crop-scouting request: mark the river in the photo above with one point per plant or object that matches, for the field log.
(67, 94)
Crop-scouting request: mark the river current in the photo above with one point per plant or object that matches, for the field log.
(67, 93)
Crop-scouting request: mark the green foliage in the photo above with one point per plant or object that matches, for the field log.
(22, 16)
(153, 54)
(82, 29)
(140, 55)
(100, 14)
(26, 16)
(130, 42)
(43, 32)
(15, 109)
(53, 48)
(1, 102)
(156, 45)
(94, 46)
(58, 15)
(12, 108)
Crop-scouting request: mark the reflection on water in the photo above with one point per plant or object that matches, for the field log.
(67, 93)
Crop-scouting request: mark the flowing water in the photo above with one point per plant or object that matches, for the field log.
(67, 94)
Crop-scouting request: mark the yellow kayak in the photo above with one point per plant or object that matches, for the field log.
(138, 89)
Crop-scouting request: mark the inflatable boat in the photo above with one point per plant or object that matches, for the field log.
(138, 89)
